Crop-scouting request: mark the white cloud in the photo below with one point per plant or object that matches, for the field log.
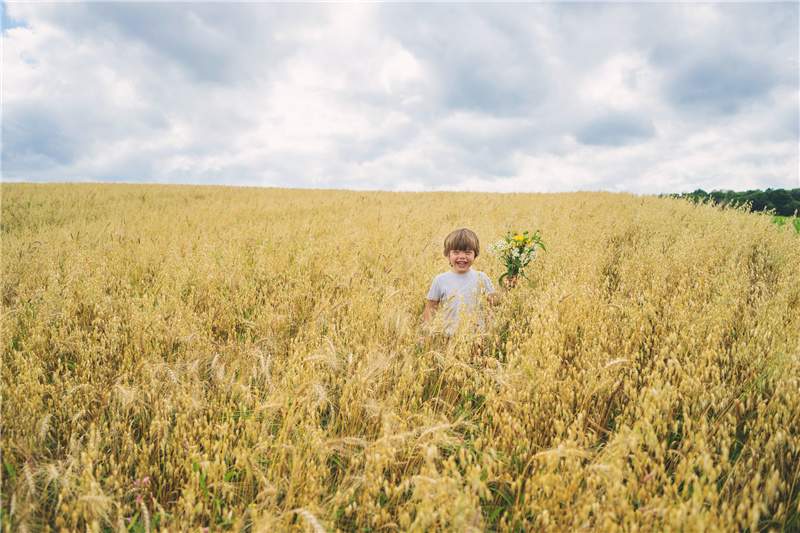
(623, 82)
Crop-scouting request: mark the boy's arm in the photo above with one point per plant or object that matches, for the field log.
(430, 308)
(494, 298)
(509, 283)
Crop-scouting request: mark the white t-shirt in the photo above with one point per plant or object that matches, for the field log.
(459, 294)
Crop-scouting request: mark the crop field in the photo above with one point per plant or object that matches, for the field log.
(182, 358)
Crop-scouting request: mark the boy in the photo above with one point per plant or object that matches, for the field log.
(461, 289)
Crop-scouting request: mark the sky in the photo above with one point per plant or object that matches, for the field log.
(647, 98)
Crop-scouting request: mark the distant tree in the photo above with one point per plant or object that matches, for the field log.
(729, 196)
(781, 201)
(758, 201)
(719, 197)
(778, 197)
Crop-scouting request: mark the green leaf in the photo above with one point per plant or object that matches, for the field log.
(203, 484)
(133, 521)
(12, 473)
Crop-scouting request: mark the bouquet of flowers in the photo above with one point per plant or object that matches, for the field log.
(516, 250)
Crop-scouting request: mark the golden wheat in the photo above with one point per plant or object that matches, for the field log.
(179, 358)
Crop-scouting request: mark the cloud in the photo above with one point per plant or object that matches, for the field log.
(521, 96)
(7, 22)
(35, 135)
(720, 85)
(617, 129)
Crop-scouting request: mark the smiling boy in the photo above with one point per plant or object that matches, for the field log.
(461, 290)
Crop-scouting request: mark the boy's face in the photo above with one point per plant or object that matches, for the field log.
(461, 260)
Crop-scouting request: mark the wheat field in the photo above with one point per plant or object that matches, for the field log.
(186, 358)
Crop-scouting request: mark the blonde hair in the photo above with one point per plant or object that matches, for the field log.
(462, 239)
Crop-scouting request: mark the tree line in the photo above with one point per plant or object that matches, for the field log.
(782, 201)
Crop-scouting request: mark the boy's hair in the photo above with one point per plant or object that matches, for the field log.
(462, 239)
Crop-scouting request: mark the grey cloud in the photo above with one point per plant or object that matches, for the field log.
(720, 68)
(618, 129)
(490, 165)
(184, 36)
(787, 127)
(483, 60)
(489, 89)
(35, 136)
(352, 149)
(491, 154)
(195, 72)
(720, 85)
(209, 42)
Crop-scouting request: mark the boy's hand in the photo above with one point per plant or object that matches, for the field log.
(427, 316)
(508, 283)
